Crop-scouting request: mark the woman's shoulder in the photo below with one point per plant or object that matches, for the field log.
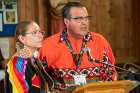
(15, 59)
(16, 63)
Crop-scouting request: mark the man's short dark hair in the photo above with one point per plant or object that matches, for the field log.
(68, 6)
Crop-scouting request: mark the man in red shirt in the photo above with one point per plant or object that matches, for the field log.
(77, 56)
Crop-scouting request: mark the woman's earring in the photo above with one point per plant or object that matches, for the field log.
(25, 52)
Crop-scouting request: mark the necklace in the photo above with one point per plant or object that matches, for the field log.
(77, 57)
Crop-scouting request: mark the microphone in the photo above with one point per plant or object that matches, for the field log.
(90, 58)
(126, 74)
(117, 67)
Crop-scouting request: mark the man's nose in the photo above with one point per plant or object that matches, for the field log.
(84, 21)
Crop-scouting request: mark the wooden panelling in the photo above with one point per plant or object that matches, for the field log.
(11, 46)
(21, 10)
(33, 10)
(114, 20)
(136, 26)
(42, 15)
(26, 10)
(117, 20)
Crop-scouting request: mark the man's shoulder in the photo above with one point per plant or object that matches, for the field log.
(99, 38)
(97, 35)
(53, 39)
(51, 43)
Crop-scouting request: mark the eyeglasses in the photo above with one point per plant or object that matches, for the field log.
(79, 19)
(36, 32)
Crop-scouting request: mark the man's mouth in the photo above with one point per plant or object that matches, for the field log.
(84, 28)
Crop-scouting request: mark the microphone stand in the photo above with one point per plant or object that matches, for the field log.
(131, 75)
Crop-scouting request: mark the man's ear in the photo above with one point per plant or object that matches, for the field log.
(22, 39)
(66, 21)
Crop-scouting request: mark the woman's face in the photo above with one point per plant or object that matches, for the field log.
(33, 37)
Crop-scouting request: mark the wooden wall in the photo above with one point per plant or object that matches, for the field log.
(115, 23)
(33, 10)
(136, 26)
(119, 22)
(116, 20)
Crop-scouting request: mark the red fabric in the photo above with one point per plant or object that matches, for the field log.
(57, 54)
(35, 81)
(59, 58)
